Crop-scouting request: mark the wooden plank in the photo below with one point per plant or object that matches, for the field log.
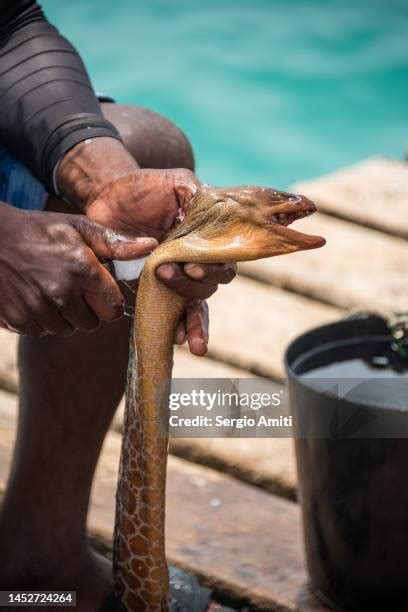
(187, 365)
(242, 306)
(8, 420)
(357, 266)
(244, 542)
(8, 361)
(266, 462)
(251, 324)
(373, 192)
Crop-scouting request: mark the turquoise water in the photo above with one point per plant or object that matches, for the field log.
(269, 91)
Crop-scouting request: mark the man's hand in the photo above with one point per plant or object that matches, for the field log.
(150, 201)
(51, 281)
(105, 181)
(201, 282)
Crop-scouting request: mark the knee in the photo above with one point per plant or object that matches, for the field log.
(153, 141)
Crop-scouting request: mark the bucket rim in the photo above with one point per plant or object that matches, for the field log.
(333, 331)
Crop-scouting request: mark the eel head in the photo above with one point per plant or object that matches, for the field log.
(244, 223)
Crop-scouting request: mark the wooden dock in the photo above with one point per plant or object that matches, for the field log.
(232, 512)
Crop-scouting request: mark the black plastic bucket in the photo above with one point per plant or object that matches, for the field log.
(352, 460)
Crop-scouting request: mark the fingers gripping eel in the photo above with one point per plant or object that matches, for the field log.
(221, 225)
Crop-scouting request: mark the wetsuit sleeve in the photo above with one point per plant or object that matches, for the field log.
(47, 104)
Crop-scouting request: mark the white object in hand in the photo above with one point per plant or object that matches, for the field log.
(128, 270)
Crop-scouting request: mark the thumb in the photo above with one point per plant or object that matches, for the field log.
(110, 244)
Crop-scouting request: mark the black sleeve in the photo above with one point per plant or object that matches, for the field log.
(47, 104)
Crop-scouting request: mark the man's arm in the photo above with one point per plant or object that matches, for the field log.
(47, 101)
(50, 114)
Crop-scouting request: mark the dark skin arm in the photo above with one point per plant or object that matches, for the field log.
(104, 180)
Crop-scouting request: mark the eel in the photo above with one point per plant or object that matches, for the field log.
(220, 225)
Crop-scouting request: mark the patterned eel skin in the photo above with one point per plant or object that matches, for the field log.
(221, 225)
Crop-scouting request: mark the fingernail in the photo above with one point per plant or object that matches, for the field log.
(166, 271)
(199, 347)
(194, 271)
(148, 241)
(180, 337)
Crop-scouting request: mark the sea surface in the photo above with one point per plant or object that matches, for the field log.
(269, 91)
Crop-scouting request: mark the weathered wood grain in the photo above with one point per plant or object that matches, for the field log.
(357, 266)
(8, 421)
(242, 541)
(8, 361)
(242, 305)
(266, 462)
(373, 192)
(187, 365)
(251, 324)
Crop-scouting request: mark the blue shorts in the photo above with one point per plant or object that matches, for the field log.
(18, 186)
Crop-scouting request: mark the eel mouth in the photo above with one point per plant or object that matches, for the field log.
(295, 208)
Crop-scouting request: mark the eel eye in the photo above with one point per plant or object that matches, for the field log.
(295, 199)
